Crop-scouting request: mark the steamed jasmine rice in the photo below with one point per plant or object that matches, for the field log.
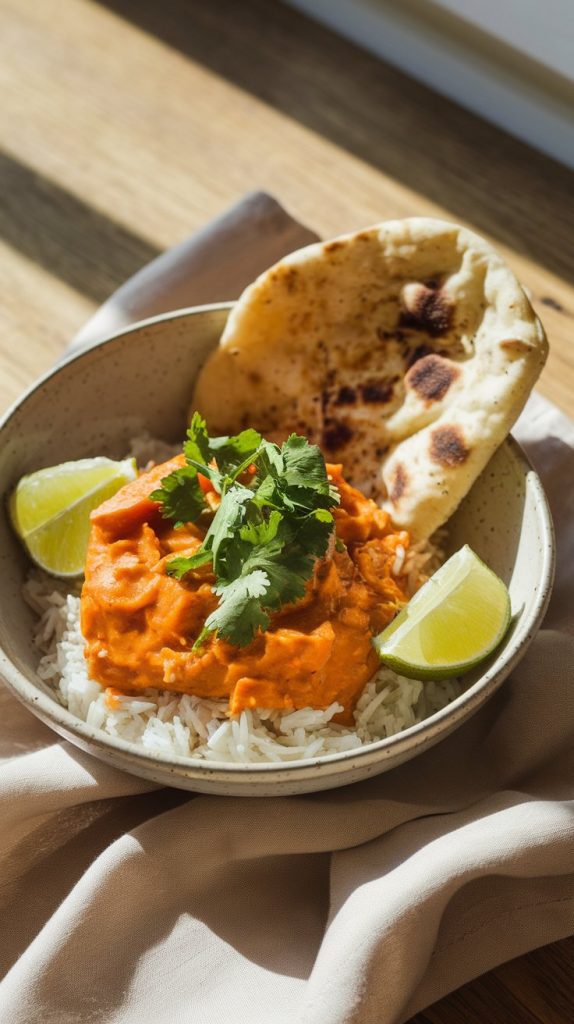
(187, 726)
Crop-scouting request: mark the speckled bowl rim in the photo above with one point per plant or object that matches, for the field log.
(50, 711)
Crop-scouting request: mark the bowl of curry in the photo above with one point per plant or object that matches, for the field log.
(133, 617)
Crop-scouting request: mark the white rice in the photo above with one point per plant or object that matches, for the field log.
(172, 723)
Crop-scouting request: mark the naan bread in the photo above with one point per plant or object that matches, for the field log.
(406, 351)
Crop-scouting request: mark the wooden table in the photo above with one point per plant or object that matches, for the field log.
(128, 124)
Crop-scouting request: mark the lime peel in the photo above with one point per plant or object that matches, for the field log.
(451, 624)
(50, 509)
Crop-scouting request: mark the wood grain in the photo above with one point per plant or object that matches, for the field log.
(128, 124)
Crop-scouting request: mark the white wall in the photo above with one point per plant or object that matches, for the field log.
(511, 61)
(541, 29)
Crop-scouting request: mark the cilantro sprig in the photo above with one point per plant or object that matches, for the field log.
(272, 523)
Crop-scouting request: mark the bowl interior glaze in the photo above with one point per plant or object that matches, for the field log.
(141, 380)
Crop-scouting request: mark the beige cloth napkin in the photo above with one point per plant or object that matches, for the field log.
(125, 904)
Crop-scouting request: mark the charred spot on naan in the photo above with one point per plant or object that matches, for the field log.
(390, 334)
(431, 378)
(427, 309)
(399, 482)
(515, 347)
(377, 392)
(369, 392)
(412, 355)
(345, 396)
(336, 434)
(291, 279)
(448, 446)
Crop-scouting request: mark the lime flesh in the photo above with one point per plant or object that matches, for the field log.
(451, 624)
(50, 509)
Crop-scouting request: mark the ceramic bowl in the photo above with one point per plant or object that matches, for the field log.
(141, 379)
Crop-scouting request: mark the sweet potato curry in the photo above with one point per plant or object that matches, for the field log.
(141, 624)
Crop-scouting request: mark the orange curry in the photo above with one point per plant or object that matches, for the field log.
(140, 624)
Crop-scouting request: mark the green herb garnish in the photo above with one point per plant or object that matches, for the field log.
(271, 525)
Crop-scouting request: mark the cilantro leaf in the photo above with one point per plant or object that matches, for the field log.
(227, 521)
(314, 532)
(304, 465)
(180, 496)
(240, 614)
(181, 565)
(231, 452)
(197, 446)
(268, 495)
(287, 576)
(270, 460)
(267, 532)
(263, 532)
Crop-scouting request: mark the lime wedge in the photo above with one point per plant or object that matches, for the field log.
(454, 621)
(50, 509)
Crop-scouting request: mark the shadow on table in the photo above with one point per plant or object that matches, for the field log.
(66, 236)
(453, 158)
